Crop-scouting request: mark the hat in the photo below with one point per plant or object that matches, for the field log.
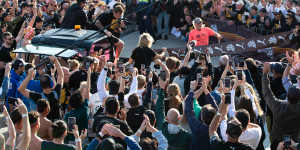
(197, 21)
(234, 128)
(101, 3)
(18, 63)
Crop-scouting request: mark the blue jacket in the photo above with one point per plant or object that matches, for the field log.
(35, 86)
(200, 135)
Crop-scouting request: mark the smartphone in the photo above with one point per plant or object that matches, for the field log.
(199, 79)
(71, 123)
(163, 75)
(142, 67)
(287, 141)
(1, 105)
(230, 63)
(12, 100)
(121, 69)
(87, 65)
(227, 82)
(241, 63)
(227, 98)
(239, 74)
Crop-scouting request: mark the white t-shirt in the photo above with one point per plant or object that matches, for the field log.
(250, 136)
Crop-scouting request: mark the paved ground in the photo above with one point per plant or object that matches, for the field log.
(131, 41)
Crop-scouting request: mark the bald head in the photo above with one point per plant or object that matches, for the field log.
(173, 116)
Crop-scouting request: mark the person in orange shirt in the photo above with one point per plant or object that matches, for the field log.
(201, 34)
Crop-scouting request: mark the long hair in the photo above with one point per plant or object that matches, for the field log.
(255, 98)
(145, 40)
(174, 96)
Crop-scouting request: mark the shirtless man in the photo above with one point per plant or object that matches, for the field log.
(43, 108)
(34, 120)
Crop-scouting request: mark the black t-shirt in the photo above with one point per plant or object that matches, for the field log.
(108, 18)
(53, 99)
(142, 55)
(74, 16)
(217, 144)
(5, 52)
(46, 145)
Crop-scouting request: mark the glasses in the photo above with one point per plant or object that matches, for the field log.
(9, 39)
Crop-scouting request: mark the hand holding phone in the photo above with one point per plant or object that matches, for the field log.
(71, 123)
(227, 82)
(287, 141)
(239, 74)
(227, 98)
(163, 75)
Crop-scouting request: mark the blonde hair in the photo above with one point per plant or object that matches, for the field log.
(145, 40)
(141, 81)
(256, 101)
(73, 64)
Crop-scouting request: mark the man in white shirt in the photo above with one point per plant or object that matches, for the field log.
(113, 85)
(251, 132)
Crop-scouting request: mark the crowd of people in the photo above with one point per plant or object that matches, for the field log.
(151, 101)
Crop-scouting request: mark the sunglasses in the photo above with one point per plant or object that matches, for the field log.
(9, 39)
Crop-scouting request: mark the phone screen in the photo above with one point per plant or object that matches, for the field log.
(163, 75)
(199, 79)
(227, 82)
(71, 123)
(227, 98)
(239, 74)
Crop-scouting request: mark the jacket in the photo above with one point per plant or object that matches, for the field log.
(286, 117)
(200, 135)
(179, 141)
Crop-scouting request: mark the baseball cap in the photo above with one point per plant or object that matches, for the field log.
(197, 20)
